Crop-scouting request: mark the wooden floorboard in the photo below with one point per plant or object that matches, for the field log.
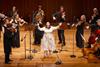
(18, 54)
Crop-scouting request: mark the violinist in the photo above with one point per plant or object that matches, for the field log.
(16, 35)
(80, 31)
(7, 40)
(61, 18)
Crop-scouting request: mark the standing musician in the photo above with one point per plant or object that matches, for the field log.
(7, 39)
(16, 22)
(81, 25)
(60, 17)
(80, 31)
(38, 18)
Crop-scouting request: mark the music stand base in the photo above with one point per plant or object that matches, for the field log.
(34, 51)
(30, 57)
(73, 56)
(58, 62)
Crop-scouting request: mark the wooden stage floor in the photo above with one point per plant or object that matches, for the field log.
(18, 54)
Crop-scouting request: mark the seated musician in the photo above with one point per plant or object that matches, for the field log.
(94, 40)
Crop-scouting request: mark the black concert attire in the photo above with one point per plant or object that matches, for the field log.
(60, 19)
(93, 27)
(37, 34)
(7, 43)
(1, 22)
(79, 32)
(2, 17)
(93, 23)
(16, 35)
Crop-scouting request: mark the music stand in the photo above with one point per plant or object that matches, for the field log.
(30, 28)
(73, 52)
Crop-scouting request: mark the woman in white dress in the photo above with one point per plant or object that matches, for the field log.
(48, 42)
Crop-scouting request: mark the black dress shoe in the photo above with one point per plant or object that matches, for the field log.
(7, 63)
(10, 60)
(55, 51)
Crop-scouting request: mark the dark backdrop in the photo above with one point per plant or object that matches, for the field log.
(72, 7)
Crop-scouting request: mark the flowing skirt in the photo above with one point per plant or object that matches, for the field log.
(47, 42)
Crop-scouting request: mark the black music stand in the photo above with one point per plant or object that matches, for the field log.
(73, 49)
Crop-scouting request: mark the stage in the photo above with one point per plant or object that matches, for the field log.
(18, 54)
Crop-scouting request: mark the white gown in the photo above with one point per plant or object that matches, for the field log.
(48, 42)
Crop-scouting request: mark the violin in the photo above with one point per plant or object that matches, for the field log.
(10, 27)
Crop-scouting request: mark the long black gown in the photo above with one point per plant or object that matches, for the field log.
(16, 36)
(79, 32)
(7, 40)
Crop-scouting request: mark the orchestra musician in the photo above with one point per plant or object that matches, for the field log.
(80, 31)
(94, 42)
(93, 24)
(7, 39)
(38, 17)
(16, 35)
(97, 34)
(61, 18)
(94, 18)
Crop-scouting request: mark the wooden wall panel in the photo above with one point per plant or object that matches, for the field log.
(72, 7)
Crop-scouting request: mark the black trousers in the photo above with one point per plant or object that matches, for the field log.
(37, 36)
(7, 57)
(61, 36)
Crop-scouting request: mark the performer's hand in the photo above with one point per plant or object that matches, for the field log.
(37, 24)
(60, 24)
(73, 25)
(54, 18)
(40, 22)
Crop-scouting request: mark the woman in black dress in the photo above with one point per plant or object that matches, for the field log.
(80, 31)
(16, 22)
